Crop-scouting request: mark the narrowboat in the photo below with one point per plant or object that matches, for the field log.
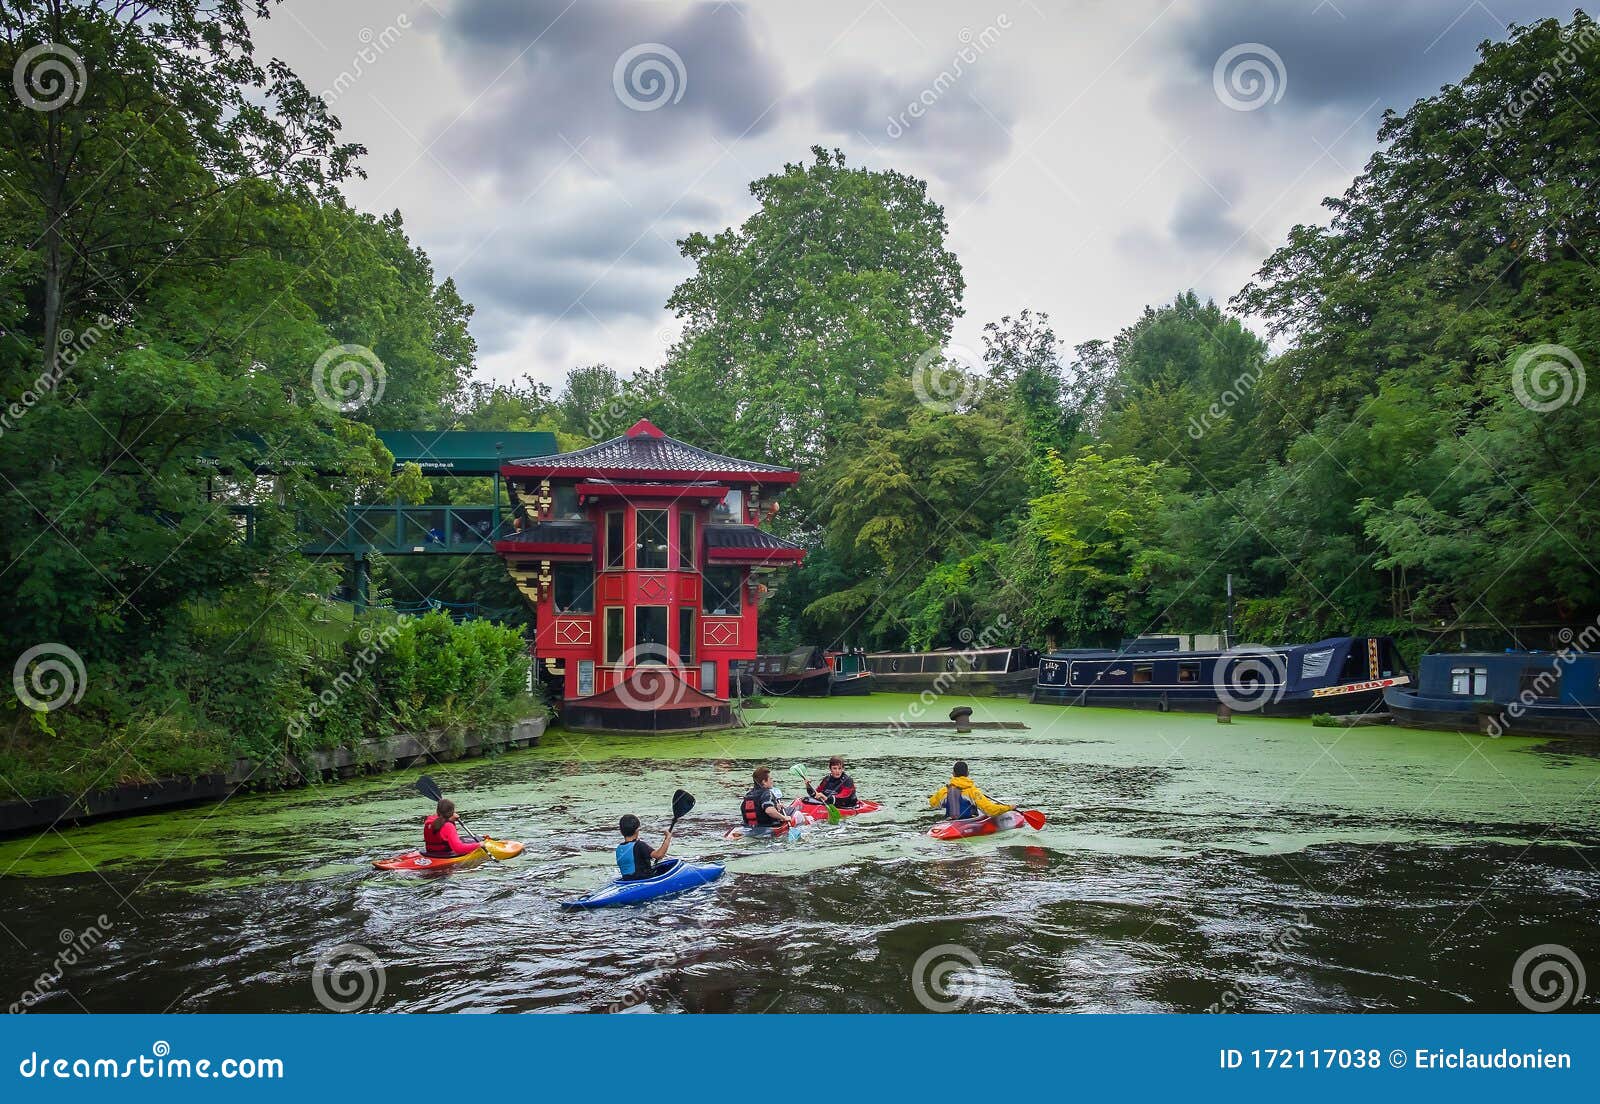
(974, 670)
(1343, 674)
(810, 673)
(1533, 693)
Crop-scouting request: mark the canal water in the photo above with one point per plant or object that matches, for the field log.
(1267, 865)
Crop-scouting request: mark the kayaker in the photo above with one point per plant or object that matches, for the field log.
(837, 788)
(762, 808)
(441, 837)
(960, 797)
(636, 858)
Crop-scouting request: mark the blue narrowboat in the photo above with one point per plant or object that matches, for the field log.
(1344, 674)
(1541, 693)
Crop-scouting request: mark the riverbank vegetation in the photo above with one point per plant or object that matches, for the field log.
(1396, 439)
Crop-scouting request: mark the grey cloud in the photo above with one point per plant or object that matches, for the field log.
(601, 258)
(958, 128)
(1343, 54)
(546, 69)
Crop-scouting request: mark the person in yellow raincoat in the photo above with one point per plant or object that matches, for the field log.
(960, 797)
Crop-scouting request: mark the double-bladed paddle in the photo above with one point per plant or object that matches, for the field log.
(834, 815)
(429, 789)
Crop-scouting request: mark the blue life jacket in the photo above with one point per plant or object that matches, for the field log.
(627, 861)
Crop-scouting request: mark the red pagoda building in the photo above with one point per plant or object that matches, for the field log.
(645, 562)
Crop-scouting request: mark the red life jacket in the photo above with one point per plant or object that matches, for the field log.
(432, 842)
(751, 809)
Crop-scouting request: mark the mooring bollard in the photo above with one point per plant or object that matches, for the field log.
(962, 716)
(1224, 714)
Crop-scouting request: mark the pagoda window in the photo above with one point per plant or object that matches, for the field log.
(686, 546)
(574, 588)
(616, 643)
(614, 545)
(650, 634)
(731, 509)
(566, 503)
(721, 589)
(651, 554)
(686, 635)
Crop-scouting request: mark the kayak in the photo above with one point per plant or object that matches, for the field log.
(416, 860)
(978, 826)
(818, 811)
(672, 876)
(739, 831)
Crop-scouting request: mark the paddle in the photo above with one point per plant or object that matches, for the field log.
(682, 802)
(834, 816)
(429, 789)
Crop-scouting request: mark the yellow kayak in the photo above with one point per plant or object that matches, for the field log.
(416, 860)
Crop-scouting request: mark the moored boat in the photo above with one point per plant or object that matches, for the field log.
(1536, 693)
(810, 673)
(971, 670)
(1342, 674)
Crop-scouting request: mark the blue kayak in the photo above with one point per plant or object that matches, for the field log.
(672, 876)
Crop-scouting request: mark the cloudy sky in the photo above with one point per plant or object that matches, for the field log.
(1092, 157)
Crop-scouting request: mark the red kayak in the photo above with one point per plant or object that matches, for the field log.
(819, 811)
(983, 825)
(416, 860)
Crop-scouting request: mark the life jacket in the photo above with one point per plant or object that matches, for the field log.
(957, 806)
(432, 842)
(753, 808)
(841, 790)
(627, 861)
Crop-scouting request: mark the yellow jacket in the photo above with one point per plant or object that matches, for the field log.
(969, 790)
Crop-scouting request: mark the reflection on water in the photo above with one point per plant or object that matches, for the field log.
(1264, 866)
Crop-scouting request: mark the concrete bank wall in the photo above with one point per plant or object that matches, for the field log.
(369, 757)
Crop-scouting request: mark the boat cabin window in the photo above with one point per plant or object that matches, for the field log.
(651, 525)
(1314, 665)
(1543, 683)
(1144, 673)
(1472, 681)
(1188, 672)
(719, 591)
(574, 588)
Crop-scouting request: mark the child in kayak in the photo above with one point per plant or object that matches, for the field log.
(837, 788)
(440, 836)
(762, 808)
(961, 798)
(636, 858)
